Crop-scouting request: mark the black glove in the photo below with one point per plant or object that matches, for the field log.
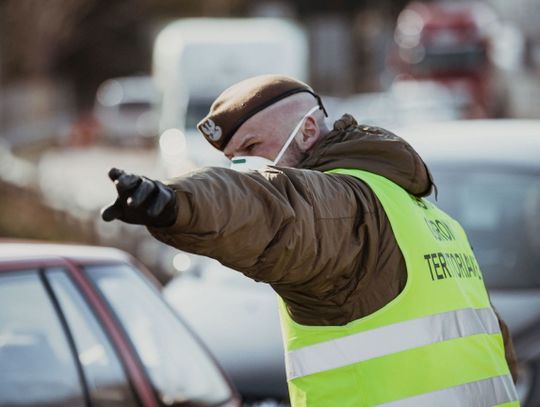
(140, 201)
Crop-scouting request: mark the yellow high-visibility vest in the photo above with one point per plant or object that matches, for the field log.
(437, 344)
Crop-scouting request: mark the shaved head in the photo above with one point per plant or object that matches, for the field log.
(291, 109)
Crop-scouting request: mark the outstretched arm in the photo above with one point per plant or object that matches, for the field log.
(278, 226)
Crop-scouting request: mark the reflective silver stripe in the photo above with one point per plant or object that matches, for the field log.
(389, 339)
(488, 392)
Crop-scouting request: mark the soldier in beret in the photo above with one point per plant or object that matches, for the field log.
(376, 309)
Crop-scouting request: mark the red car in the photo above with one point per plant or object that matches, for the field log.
(449, 43)
(85, 326)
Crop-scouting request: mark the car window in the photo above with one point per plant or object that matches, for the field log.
(179, 368)
(37, 367)
(105, 377)
(466, 58)
(500, 211)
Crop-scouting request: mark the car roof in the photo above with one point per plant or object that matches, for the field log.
(22, 250)
(512, 142)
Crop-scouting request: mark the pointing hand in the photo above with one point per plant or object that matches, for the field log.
(140, 201)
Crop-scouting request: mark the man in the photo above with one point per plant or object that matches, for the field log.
(382, 301)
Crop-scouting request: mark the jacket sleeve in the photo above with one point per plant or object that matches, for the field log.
(281, 226)
(509, 351)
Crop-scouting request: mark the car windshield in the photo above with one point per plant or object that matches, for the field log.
(179, 368)
(500, 211)
(470, 58)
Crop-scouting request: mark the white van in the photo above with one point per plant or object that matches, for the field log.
(196, 59)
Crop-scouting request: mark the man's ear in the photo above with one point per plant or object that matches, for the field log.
(310, 133)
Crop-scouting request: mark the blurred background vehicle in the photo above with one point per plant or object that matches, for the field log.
(196, 59)
(71, 334)
(126, 110)
(450, 43)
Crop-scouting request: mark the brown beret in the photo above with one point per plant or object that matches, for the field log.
(241, 101)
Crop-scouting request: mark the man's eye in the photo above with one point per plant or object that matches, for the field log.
(250, 147)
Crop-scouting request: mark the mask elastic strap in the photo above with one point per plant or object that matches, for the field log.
(292, 135)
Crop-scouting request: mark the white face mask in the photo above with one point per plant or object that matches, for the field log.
(254, 162)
